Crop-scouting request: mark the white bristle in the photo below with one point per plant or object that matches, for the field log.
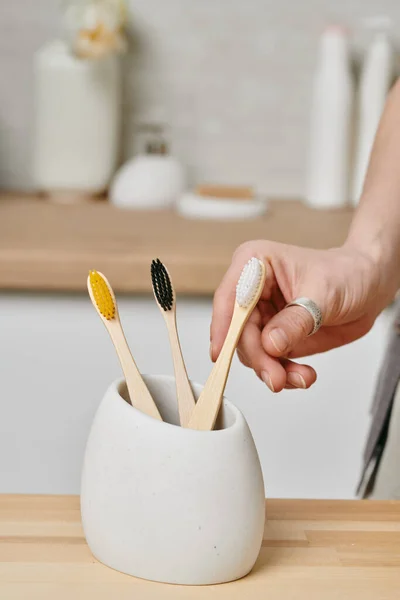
(249, 282)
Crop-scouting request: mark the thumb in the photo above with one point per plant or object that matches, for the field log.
(286, 330)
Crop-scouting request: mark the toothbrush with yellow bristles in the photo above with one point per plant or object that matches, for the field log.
(103, 299)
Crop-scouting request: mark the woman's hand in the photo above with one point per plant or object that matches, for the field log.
(344, 282)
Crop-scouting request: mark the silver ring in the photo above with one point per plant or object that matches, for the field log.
(312, 308)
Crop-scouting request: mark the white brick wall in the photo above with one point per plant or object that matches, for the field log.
(231, 76)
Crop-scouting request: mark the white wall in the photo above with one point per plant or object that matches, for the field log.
(232, 77)
(56, 360)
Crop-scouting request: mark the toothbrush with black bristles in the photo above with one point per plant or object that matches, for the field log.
(166, 300)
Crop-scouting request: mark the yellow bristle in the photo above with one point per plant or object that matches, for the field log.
(102, 295)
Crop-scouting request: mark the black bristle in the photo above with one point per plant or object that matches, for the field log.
(162, 285)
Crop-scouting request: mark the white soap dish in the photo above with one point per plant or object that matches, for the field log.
(194, 206)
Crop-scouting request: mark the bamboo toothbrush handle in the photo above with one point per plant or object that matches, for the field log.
(209, 403)
(139, 394)
(186, 401)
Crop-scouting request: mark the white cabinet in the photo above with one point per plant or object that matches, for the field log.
(56, 361)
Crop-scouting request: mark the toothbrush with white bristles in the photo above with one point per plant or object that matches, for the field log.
(248, 292)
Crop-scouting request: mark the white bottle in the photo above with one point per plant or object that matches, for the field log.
(77, 122)
(377, 76)
(331, 123)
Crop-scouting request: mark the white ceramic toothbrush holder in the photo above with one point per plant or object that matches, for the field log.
(170, 504)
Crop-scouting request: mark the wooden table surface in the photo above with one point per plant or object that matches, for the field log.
(312, 550)
(46, 246)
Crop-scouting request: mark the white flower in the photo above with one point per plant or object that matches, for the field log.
(95, 28)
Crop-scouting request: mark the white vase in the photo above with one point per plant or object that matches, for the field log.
(331, 124)
(77, 121)
(169, 504)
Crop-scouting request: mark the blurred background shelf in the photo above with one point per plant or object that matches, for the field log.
(46, 246)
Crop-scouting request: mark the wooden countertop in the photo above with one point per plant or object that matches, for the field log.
(312, 550)
(45, 246)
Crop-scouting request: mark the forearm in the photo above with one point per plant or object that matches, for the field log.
(376, 224)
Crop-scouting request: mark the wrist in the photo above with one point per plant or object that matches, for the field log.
(372, 247)
(383, 258)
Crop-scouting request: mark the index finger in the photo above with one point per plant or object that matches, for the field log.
(223, 305)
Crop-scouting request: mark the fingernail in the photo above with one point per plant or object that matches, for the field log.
(267, 380)
(296, 380)
(279, 339)
(211, 351)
